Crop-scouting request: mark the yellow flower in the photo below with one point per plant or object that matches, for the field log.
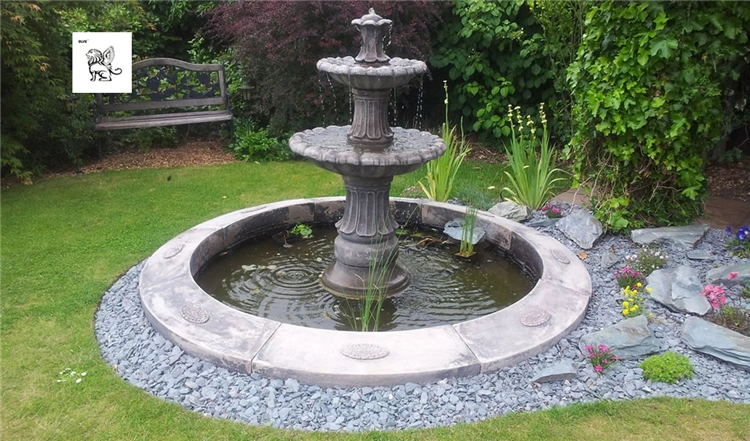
(625, 304)
(634, 307)
(648, 289)
(639, 284)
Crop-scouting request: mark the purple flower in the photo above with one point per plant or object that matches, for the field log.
(728, 230)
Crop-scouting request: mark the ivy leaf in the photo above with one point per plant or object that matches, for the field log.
(663, 47)
(643, 58)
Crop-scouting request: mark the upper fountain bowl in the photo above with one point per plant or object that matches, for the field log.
(396, 72)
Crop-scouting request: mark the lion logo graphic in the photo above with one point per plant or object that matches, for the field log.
(100, 64)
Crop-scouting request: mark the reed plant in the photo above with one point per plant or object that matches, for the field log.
(466, 249)
(532, 176)
(441, 172)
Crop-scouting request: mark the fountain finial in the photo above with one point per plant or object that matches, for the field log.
(373, 28)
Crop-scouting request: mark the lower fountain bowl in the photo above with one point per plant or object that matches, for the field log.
(202, 326)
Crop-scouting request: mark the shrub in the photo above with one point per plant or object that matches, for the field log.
(649, 83)
(495, 53)
(668, 367)
(532, 176)
(280, 42)
(252, 144)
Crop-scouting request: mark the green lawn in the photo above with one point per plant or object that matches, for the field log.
(66, 240)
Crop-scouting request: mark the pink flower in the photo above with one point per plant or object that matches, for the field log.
(603, 348)
(598, 368)
(589, 348)
(732, 275)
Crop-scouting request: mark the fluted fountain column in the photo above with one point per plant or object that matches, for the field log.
(366, 248)
(370, 127)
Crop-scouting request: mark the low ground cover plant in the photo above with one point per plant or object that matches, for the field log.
(731, 317)
(739, 242)
(632, 305)
(647, 260)
(629, 277)
(668, 367)
(601, 357)
(552, 211)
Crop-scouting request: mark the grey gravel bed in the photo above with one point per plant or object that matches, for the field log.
(148, 361)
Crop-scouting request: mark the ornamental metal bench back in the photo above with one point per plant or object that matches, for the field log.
(185, 90)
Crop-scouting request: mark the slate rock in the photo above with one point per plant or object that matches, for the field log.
(511, 210)
(720, 275)
(544, 222)
(455, 230)
(685, 237)
(717, 341)
(679, 289)
(609, 259)
(628, 339)
(564, 370)
(581, 227)
(700, 255)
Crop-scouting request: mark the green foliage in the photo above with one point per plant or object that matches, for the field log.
(668, 367)
(646, 260)
(251, 144)
(562, 22)
(731, 317)
(466, 249)
(302, 230)
(532, 177)
(495, 53)
(441, 172)
(648, 84)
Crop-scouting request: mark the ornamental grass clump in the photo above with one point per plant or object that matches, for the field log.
(532, 175)
(647, 260)
(601, 357)
(739, 243)
(441, 172)
(629, 277)
(668, 367)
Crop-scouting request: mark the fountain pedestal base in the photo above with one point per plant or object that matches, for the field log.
(366, 249)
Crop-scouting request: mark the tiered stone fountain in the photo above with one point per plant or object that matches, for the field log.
(368, 154)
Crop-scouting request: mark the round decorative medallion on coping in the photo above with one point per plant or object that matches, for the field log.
(195, 314)
(364, 351)
(560, 256)
(536, 317)
(173, 251)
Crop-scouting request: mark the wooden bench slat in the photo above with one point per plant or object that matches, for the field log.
(167, 104)
(167, 119)
(149, 62)
(172, 119)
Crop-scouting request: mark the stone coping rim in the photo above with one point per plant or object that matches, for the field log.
(202, 326)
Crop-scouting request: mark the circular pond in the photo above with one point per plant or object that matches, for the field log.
(270, 278)
(183, 312)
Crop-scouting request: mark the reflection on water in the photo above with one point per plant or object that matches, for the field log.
(266, 279)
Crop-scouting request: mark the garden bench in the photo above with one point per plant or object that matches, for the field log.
(166, 92)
